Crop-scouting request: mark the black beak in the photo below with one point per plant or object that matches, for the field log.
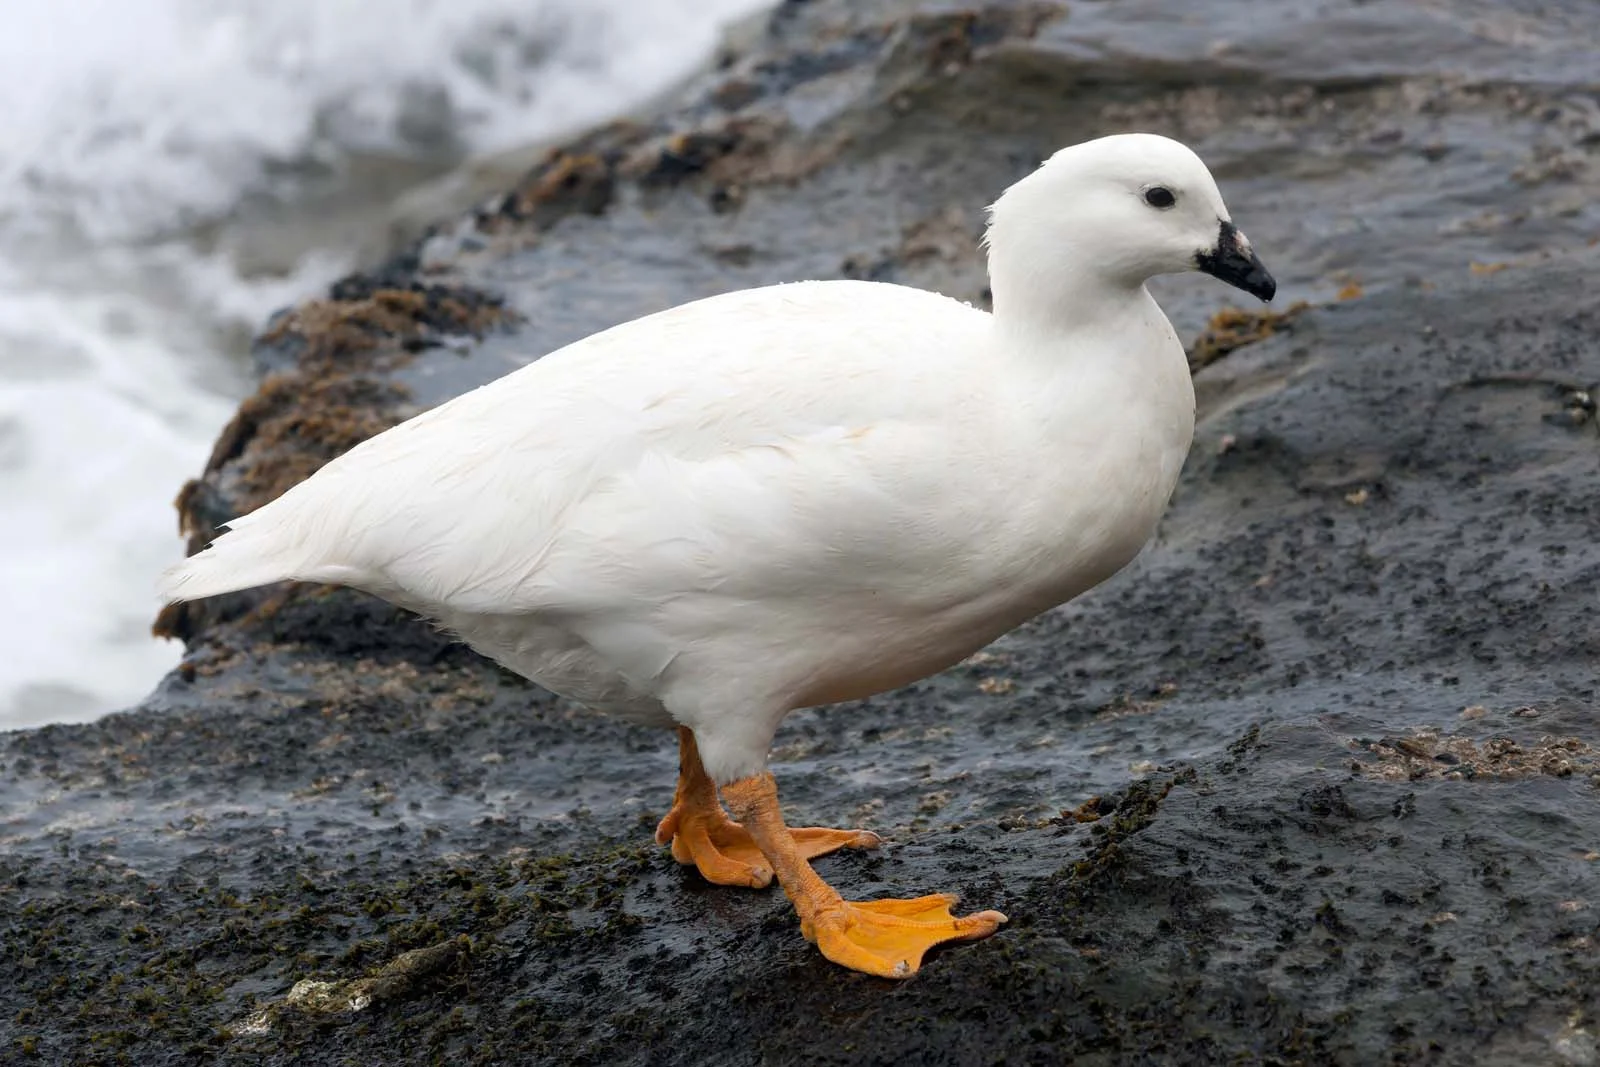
(1235, 262)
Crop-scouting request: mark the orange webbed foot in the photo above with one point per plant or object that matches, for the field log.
(888, 938)
(725, 853)
(703, 836)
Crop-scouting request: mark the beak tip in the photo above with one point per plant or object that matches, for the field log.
(1232, 260)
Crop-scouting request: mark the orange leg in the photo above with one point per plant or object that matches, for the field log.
(702, 834)
(881, 937)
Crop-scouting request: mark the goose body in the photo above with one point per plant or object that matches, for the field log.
(793, 495)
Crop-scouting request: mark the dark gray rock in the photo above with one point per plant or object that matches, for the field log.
(1340, 717)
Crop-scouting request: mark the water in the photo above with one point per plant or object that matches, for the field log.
(170, 172)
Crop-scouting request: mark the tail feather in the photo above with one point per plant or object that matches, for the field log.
(237, 559)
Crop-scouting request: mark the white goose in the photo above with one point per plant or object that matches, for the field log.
(790, 496)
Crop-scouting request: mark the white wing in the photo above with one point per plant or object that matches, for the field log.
(676, 453)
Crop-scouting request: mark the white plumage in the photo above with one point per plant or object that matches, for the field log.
(792, 495)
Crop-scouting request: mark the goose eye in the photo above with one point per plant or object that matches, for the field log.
(1159, 196)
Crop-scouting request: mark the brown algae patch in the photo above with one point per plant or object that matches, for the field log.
(1233, 328)
(577, 179)
(362, 315)
(1428, 754)
(291, 427)
(567, 182)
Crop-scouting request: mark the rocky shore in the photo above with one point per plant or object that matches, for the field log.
(1317, 780)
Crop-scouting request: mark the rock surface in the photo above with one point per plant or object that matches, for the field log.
(1340, 718)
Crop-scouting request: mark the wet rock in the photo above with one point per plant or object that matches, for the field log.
(1313, 781)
